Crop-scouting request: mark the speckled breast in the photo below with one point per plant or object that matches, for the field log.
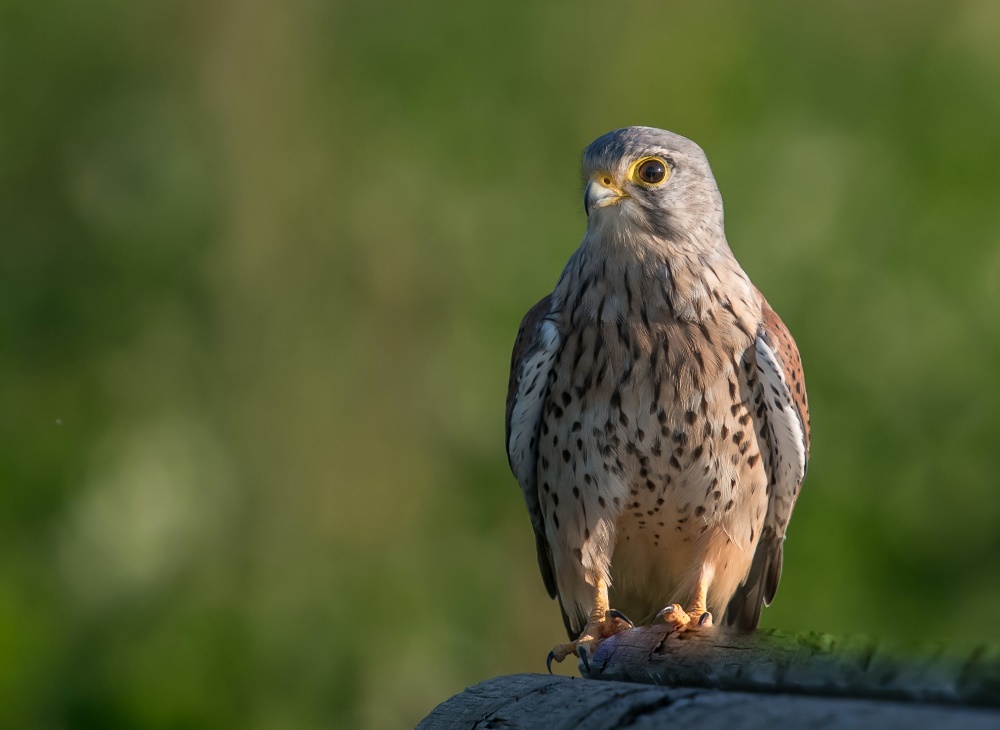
(643, 429)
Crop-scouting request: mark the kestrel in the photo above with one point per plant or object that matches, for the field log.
(656, 413)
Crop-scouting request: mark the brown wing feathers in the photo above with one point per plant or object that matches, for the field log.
(524, 344)
(761, 583)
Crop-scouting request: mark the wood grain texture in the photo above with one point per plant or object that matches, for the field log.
(813, 664)
(555, 703)
(652, 677)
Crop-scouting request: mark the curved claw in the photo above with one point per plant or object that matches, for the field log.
(662, 615)
(548, 661)
(614, 613)
(706, 618)
(581, 651)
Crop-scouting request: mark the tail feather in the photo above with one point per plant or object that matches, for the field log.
(760, 585)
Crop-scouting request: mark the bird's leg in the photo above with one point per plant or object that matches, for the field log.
(697, 615)
(603, 622)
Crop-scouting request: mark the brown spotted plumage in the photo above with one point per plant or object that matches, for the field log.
(656, 412)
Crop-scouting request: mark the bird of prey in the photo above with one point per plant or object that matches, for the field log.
(657, 420)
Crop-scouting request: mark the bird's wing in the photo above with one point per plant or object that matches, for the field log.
(781, 420)
(530, 366)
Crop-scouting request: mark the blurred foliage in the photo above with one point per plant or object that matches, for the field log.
(262, 264)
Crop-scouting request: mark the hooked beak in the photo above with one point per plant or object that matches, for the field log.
(601, 192)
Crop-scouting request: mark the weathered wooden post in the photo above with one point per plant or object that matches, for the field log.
(650, 677)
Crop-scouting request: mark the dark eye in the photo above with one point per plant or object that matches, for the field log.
(651, 171)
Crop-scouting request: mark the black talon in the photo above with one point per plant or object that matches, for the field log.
(548, 661)
(668, 610)
(705, 618)
(581, 651)
(614, 613)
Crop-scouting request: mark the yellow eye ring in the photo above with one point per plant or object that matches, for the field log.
(649, 171)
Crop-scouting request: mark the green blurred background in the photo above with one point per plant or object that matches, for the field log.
(262, 264)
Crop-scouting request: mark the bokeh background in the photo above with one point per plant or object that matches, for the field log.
(261, 265)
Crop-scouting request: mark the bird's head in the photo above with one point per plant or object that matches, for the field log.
(654, 179)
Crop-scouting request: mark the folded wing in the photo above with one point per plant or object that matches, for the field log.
(781, 421)
(531, 365)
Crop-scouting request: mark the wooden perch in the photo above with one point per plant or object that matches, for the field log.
(558, 703)
(768, 679)
(813, 663)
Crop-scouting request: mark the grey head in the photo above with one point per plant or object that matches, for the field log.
(655, 180)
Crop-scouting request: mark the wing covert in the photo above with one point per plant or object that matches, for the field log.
(781, 419)
(535, 349)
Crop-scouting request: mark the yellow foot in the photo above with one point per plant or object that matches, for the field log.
(593, 634)
(681, 620)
